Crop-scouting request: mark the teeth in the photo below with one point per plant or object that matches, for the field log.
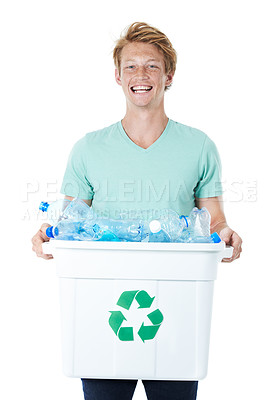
(137, 89)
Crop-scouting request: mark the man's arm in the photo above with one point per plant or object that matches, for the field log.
(219, 224)
(40, 237)
(88, 202)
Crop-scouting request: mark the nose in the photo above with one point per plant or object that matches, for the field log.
(141, 72)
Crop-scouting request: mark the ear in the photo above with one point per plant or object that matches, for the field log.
(118, 77)
(169, 78)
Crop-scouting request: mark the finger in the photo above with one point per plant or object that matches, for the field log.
(238, 250)
(41, 254)
(226, 235)
(38, 240)
(46, 256)
(37, 248)
(228, 260)
(43, 231)
(236, 241)
(235, 255)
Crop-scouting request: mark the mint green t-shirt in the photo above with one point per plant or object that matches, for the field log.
(122, 178)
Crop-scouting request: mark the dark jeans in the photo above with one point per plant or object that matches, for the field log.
(122, 389)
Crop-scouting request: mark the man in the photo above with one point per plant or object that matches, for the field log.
(141, 164)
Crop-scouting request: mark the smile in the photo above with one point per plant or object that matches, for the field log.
(141, 89)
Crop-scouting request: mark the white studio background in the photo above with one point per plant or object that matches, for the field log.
(57, 84)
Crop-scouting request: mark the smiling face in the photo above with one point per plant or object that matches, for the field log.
(142, 75)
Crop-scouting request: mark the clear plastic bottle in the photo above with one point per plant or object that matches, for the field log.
(76, 210)
(101, 234)
(76, 230)
(157, 234)
(54, 210)
(199, 226)
(97, 229)
(194, 228)
(65, 230)
(171, 223)
(131, 230)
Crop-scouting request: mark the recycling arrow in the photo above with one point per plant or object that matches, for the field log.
(115, 320)
(156, 317)
(146, 332)
(126, 299)
(126, 333)
(141, 296)
(144, 300)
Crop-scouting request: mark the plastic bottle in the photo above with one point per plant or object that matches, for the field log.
(65, 230)
(75, 210)
(171, 223)
(185, 236)
(99, 234)
(54, 210)
(199, 226)
(192, 229)
(78, 210)
(157, 234)
(131, 230)
(79, 230)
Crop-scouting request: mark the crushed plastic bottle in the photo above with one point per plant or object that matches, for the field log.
(76, 210)
(170, 223)
(65, 230)
(199, 226)
(54, 210)
(157, 234)
(77, 230)
(95, 232)
(98, 229)
(125, 229)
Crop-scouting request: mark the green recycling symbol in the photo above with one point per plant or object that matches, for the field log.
(146, 332)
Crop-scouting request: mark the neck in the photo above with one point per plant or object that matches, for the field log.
(144, 127)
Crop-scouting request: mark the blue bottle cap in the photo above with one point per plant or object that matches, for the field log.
(49, 232)
(43, 206)
(215, 237)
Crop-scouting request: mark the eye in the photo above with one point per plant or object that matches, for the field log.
(130, 67)
(152, 66)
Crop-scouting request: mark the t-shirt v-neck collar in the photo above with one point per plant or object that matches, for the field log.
(141, 149)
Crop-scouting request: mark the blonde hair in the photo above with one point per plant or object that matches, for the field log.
(142, 32)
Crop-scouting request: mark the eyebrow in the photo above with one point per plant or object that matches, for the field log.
(150, 59)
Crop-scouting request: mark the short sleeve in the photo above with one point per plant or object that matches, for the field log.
(75, 182)
(209, 184)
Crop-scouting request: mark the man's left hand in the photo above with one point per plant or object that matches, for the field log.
(231, 238)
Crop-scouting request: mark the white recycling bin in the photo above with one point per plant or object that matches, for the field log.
(136, 310)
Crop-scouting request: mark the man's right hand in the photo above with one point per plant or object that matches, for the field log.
(38, 240)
